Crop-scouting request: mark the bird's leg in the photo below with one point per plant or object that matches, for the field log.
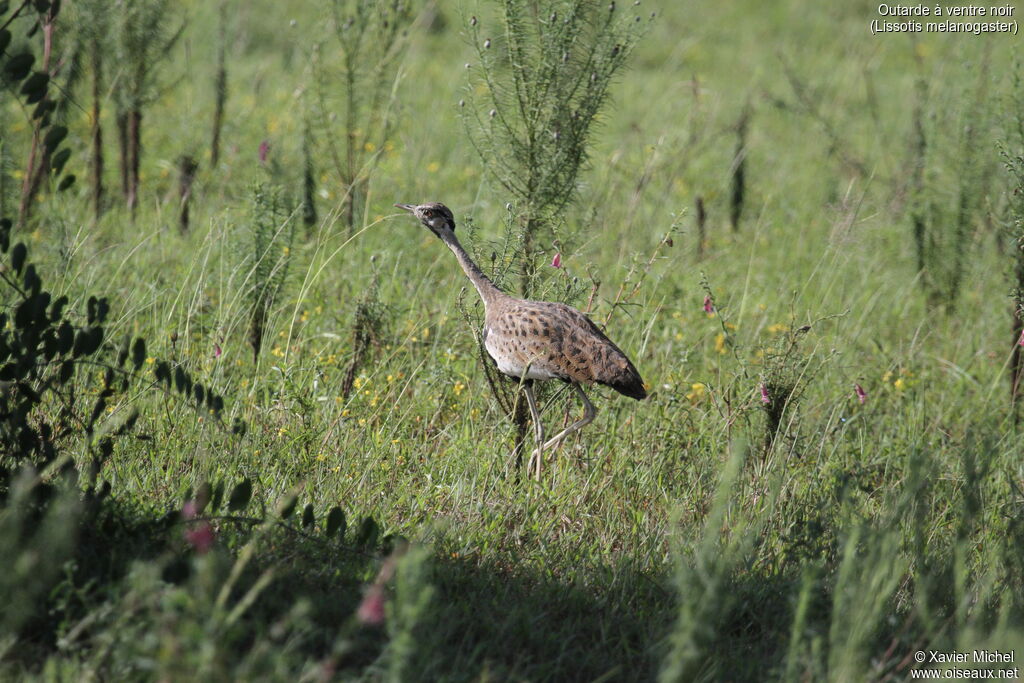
(538, 428)
(589, 413)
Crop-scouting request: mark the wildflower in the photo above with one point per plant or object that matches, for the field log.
(709, 305)
(765, 398)
(200, 536)
(556, 262)
(371, 609)
(1020, 342)
(459, 388)
(900, 384)
(264, 149)
(720, 342)
(696, 391)
(216, 350)
(433, 167)
(862, 395)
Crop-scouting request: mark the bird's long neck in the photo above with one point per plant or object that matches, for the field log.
(487, 289)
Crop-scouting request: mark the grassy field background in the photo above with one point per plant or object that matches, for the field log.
(673, 538)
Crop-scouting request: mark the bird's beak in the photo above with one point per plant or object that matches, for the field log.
(407, 207)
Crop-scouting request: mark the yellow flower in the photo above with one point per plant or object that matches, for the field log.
(776, 328)
(459, 388)
(696, 392)
(900, 384)
(369, 146)
(276, 351)
(720, 342)
(304, 317)
(433, 167)
(730, 326)
(887, 375)
(358, 382)
(321, 457)
(150, 360)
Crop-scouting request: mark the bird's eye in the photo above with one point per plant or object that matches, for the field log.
(428, 213)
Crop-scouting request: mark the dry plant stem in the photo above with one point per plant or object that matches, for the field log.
(35, 169)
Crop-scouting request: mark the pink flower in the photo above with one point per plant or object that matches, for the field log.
(709, 306)
(1021, 340)
(765, 398)
(862, 395)
(264, 149)
(371, 609)
(216, 350)
(201, 537)
(557, 261)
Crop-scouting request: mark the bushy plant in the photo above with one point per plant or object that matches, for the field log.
(533, 99)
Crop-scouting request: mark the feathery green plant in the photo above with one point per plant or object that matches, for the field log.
(943, 222)
(534, 98)
(269, 234)
(372, 36)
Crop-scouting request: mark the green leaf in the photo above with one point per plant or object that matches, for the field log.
(182, 382)
(58, 160)
(139, 352)
(18, 255)
(67, 371)
(65, 337)
(35, 85)
(335, 522)
(41, 5)
(218, 496)
(308, 518)
(55, 136)
(19, 66)
(87, 341)
(66, 182)
(240, 496)
(162, 373)
(289, 509)
(5, 36)
(43, 108)
(366, 537)
(57, 309)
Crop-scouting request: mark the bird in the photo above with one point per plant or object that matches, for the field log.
(538, 340)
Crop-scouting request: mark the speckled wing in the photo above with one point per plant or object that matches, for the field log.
(542, 340)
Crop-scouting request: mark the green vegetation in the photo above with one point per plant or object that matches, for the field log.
(248, 450)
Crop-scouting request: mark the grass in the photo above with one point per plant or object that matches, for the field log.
(665, 540)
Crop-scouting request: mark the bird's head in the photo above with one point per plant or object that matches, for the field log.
(434, 215)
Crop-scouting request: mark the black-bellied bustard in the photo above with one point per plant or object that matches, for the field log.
(538, 340)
